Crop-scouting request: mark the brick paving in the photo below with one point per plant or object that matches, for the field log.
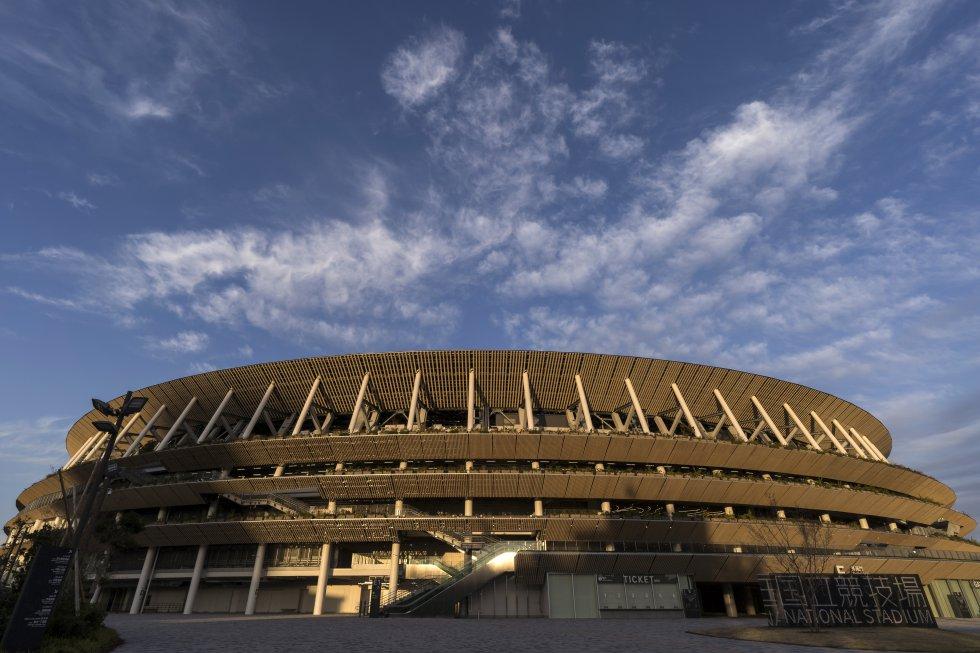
(177, 633)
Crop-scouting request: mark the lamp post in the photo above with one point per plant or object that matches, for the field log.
(130, 406)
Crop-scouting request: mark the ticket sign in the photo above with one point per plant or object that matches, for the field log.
(37, 599)
(846, 600)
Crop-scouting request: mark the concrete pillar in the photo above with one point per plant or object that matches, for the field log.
(396, 549)
(825, 518)
(736, 549)
(535, 465)
(749, 601)
(253, 586)
(399, 507)
(729, 595)
(599, 467)
(863, 523)
(610, 547)
(469, 466)
(144, 580)
(403, 465)
(202, 554)
(538, 508)
(729, 511)
(605, 507)
(331, 506)
(661, 470)
(323, 575)
(780, 514)
(339, 467)
(467, 507)
(670, 510)
(96, 594)
(147, 572)
(892, 526)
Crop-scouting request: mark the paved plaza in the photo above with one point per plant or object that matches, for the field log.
(177, 633)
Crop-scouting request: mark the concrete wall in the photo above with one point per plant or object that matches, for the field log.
(503, 597)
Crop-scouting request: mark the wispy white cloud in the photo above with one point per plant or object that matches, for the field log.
(184, 342)
(102, 179)
(417, 70)
(76, 201)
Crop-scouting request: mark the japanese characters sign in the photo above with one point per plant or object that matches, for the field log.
(845, 600)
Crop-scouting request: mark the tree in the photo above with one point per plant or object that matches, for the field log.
(800, 547)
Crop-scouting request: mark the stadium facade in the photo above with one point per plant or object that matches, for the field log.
(497, 483)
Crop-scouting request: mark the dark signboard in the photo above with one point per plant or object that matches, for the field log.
(37, 599)
(636, 579)
(846, 600)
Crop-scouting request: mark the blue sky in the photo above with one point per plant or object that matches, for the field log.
(783, 187)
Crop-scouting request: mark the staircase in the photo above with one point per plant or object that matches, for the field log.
(282, 503)
(458, 540)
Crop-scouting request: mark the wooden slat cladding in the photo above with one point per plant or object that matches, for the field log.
(498, 376)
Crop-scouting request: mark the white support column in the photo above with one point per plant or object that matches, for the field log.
(396, 549)
(83, 450)
(146, 429)
(823, 427)
(528, 404)
(306, 406)
(799, 425)
(870, 445)
(93, 452)
(584, 404)
(471, 402)
(202, 554)
(688, 415)
(356, 417)
(733, 425)
(637, 407)
(148, 561)
(413, 405)
(323, 575)
(728, 594)
(768, 421)
(247, 433)
(253, 586)
(125, 430)
(854, 443)
(176, 425)
(214, 418)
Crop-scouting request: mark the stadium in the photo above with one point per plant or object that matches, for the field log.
(496, 484)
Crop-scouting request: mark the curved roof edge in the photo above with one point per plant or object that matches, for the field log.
(605, 366)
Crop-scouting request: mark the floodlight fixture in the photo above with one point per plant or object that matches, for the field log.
(106, 427)
(134, 405)
(103, 407)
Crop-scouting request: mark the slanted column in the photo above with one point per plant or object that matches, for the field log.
(323, 575)
(144, 580)
(176, 425)
(147, 572)
(253, 586)
(670, 510)
(202, 554)
(396, 549)
(146, 429)
(729, 595)
(863, 523)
